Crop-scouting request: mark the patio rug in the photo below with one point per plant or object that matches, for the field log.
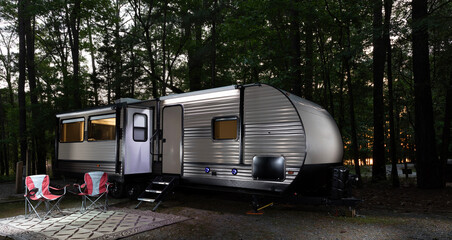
(94, 224)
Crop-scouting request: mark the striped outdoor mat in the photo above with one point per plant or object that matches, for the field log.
(93, 224)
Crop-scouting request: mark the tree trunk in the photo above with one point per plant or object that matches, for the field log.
(118, 53)
(429, 167)
(326, 75)
(213, 51)
(194, 57)
(295, 52)
(21, 83)
(165, 6)
(355, 149)
(379, 163)
(73, 22)
(392, 132)
(447, 122)
(8, 64)
(37, 131)
(309, 67)
(93, 75)
(3, 148)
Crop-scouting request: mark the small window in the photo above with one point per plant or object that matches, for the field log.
(71, 130)
(102, 128)
(225, 128)
(140, 127)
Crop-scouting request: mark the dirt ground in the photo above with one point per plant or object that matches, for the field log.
(405, 213)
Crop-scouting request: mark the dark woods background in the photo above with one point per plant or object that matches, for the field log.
(381, 68)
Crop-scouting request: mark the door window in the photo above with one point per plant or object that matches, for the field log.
(140, 127)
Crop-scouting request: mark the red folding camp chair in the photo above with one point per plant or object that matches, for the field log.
(37, 189)
(94, 188)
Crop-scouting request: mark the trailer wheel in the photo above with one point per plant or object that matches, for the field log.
(117, 190)
(133, 190)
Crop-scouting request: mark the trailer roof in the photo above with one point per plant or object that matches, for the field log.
(200, 92)
(87, 111)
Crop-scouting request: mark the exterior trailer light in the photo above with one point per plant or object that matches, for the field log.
(207, 170)
(234, 171)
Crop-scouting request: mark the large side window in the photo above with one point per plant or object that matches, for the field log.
(225, 128)
(71, 130)
(101, 128)
(140, 127)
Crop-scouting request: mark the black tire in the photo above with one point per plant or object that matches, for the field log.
(133, 190)
(117, 190)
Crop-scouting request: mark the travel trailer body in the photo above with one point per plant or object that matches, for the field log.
(253, 137)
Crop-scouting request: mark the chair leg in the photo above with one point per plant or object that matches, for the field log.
(106, 203)
(96, 203)
(56, 205)
(83, 208)
(26, 205)
(31, 207)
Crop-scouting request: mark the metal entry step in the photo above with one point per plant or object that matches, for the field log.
(157, 190)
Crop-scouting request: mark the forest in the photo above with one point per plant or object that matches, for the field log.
(381, 68)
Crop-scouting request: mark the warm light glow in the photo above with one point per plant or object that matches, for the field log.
(106, 121)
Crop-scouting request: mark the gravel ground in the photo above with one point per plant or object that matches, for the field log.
(223, 216)
(216, 215)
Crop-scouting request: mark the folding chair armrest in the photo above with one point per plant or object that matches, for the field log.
(79, 186)
(30, 193)
(55, 188)
(59, 189)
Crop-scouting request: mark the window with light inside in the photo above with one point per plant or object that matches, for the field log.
(71, 130)
(225, 128)
(102, 128)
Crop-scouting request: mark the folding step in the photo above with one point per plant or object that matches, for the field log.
(146, 199)
(157, 190)
(153, 191)
(161, 183)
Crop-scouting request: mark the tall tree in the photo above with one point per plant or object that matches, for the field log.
(21, 84)
(73, 21)
(379, 163)
(93, 75)
(37, 132)
(392, 132)
(309, 65)
(3, 148)
(213, 48)
(295, 49)
(195, 55)
(428, 165)
(447, 123)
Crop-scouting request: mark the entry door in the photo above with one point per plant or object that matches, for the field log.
(138, 128)
(172, 140)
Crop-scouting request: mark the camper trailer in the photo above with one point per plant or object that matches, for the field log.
(252, 137)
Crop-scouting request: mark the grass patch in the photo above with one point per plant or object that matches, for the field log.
(9, 178)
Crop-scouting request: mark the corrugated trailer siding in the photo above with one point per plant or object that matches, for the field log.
(244, 172)
(273, 127)
(84, 166)
(90, 151)
(198, 143)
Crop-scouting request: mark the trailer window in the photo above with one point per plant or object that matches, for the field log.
(225, 128)
(101, 128)
(71, 130)
(140, 127)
